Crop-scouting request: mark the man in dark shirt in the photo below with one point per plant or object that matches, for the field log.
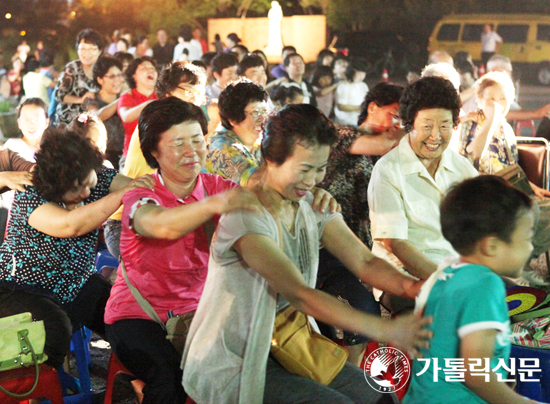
(163, 51)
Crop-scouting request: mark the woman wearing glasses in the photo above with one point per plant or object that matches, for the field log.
(234, 152)
(76, 83)
(109, 78)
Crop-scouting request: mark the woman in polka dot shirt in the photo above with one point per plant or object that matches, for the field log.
(47, 260)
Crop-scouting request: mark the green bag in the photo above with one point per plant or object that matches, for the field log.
(21, 344)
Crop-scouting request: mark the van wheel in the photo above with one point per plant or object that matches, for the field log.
(543, 73)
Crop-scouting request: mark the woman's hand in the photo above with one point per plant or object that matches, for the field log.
(236, 199)
(89, 94)
(145, 181)
(323, 200)
(408, 333)
(539, 192)
(15, 180)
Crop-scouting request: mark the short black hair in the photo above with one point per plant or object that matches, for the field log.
(355, 65)
(32, 65)
(288, 48)
(321, 71)
(295, 123)
(37, 102)
(186, 33)
(159, 116)
(243, 48)
(90, 37)
(207, 57)
(479, 207)
(286, 62)
(249, 62)
(234, 99)
(223, 61)
(281, 92)
(382, 94)
(132, 67)
(464, 67)
(123, 57)
(427, 93)
(64, 158)
(338, 57)
(140, 39)
(172, 76)
(103, 65)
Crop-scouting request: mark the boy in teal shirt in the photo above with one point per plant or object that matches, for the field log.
(491, 225)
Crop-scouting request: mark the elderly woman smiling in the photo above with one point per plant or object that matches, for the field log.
(164, 243)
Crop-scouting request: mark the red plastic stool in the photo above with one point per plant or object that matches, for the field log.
(21, 380)
(525, 123)
(116, 368)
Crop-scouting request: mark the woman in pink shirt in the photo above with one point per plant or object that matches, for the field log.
(164, 244)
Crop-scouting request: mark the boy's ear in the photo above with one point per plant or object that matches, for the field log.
(488, 245)
(216, 75)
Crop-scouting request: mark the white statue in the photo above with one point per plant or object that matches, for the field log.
(275, 44)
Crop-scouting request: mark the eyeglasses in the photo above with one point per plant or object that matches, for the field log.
(114, 76)
(257, 113)
(189, 92)
(89, 49)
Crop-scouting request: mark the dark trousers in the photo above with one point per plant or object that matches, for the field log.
(485, 56)
(142, 347)
(87, 309)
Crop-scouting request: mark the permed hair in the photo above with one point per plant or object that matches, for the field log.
(427, 93)
(65, 159)
(234, 99)
(102, 67)
(159, 116)
(495, 78)
(444, 70)
(295, 123)
(176, 73)
(479, 207)
(132, 67)
(382, 94)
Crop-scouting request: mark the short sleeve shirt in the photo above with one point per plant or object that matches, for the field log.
(404, 200)
(501, 152)
(54, 266)
(229, 157)
(129, 100)
(465, 298)
(296, 246)
(347, 180)
(170, 274)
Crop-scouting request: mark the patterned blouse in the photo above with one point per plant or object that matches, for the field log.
(32, 260)
(347, 180)
(73, 81)
(502, 151)
(229, 157)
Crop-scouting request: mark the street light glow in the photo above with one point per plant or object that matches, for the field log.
(23, 33)
(8, 16)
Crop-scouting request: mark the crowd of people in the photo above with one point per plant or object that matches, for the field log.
(215, 180)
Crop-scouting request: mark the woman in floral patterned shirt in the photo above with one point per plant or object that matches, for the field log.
(234, 152)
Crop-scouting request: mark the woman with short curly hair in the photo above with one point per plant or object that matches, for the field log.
(47, 260)
(234, 152)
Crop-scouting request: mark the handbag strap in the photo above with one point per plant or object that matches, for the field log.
(23, 337)
(143, 303)
(209, 224)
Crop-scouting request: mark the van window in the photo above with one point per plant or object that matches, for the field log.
(448, 32)
(472, 32)
(543, 33)
(513, 33)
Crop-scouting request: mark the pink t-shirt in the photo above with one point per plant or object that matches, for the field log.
(131, 99)
(170, 274)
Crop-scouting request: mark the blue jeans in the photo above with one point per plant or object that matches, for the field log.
(349, 387)
(112, 229)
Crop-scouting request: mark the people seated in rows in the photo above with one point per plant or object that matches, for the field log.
(141, 76)
(76, 83)
(224, 70)
(109, 78)
(350, 93)
(164, 244)
(490, 145)
(47, 260)
(349, 169)
(408, 183)
(182, 80)
(269, 257)
(235, 151)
